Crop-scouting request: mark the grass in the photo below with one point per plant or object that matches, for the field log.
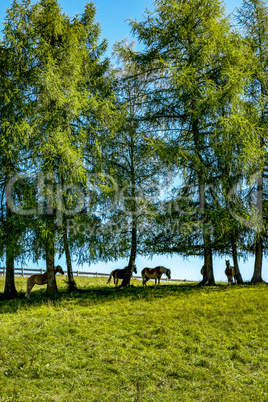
(175, 343)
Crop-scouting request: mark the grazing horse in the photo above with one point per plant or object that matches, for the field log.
(154, 273)
(119, 274)
(229, 272)
(39, 279)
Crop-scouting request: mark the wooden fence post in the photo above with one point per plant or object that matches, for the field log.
(22, 271)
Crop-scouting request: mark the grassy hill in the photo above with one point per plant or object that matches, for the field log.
(175, 343)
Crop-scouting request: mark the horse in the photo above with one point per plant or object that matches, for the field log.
(229, 272)
(154, 273)
(202, 270)
(119, 274)
(39, 279)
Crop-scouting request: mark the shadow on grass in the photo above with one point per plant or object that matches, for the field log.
(102, 294)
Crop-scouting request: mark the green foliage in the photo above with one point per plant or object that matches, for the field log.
(193, 103)
(176, 343)
(57, 105)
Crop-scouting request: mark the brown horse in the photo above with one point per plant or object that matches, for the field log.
(119, 274)
(202, 270)
(39, 279)
(229, 272)
(154, 273)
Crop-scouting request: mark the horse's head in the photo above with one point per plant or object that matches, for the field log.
(168, 273)
(59, 269)
(227, 262)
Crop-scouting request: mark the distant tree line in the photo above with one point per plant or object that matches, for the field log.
(88, 148)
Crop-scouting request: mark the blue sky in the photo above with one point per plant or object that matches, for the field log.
(113, 15)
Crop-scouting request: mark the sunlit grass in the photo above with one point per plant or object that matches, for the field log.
(175, 343)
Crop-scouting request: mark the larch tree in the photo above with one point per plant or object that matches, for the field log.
(132, 162)
(253, 20)
(73, 101)
(64, 98)
(60, 96)
(15, 132)
(190, 41)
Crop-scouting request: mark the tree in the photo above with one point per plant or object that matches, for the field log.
(64, 93)
(131, 161)
(15, 133)
(253, 19)
(191, 42)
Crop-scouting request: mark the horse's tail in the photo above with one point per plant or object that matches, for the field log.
(110, 277)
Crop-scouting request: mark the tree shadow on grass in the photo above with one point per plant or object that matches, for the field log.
(103, 294)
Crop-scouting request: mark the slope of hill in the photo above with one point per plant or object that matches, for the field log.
(175, 343)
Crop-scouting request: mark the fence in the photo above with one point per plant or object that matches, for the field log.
(30, 271)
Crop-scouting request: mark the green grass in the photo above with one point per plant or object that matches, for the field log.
(175, 343)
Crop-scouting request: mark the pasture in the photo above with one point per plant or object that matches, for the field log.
(173, 343)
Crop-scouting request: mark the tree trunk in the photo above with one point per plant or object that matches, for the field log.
(10, 291)
(133, 253)
(134, 223)
(257, 278)
(238, 276)
(52, 289)
(71, 281)
(208, 277)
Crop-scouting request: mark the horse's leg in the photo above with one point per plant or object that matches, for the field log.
(30, 285)
(27, 291)
(144, 281)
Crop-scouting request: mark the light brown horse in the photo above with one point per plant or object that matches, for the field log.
(154, 273)
(39, 279)
(229, 272)
(119, 274)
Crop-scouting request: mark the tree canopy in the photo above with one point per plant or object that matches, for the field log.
(87, 145)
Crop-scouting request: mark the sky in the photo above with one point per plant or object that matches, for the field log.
(112, 16)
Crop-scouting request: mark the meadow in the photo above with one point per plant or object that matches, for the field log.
(174, 343)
